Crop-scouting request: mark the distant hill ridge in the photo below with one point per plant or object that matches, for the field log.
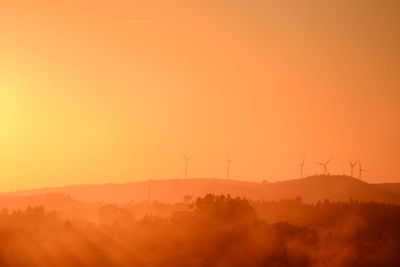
(310, 189)
(52, 201)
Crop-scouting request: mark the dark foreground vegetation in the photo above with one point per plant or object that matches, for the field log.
(216, 231)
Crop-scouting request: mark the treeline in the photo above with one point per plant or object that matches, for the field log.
(325, 212)
(216, 231)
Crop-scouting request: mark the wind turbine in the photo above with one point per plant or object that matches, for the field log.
(360, 170)
(325, 165)
(186, 164)
(352, 164)
(302, 166)
(228, 166)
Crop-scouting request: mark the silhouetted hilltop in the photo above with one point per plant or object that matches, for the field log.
(160, 190)
(51, 201)
(310, 189)
(335, 188)
(390, 187)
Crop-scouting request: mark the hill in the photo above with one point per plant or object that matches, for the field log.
(335, 188)
(157, 190)
(310, 189)
(51, 201)
(390, 187)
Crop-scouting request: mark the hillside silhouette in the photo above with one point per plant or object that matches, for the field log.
(390, 187)
(335, 188)
(310, 189)
(51, 201)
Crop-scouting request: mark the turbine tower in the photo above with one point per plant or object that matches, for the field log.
(352, 164)
(186, 164)
(302, 166)
(360, 170)
(325, 165)
(228, 166)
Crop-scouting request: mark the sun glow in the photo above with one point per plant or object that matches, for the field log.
(117, 93)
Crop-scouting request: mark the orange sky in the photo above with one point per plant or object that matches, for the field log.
(115, 91)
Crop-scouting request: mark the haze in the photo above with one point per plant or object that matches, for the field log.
(117, 91)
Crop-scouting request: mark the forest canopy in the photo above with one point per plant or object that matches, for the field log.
(216, 230)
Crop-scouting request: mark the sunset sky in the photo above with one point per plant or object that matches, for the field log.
(117, 91)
